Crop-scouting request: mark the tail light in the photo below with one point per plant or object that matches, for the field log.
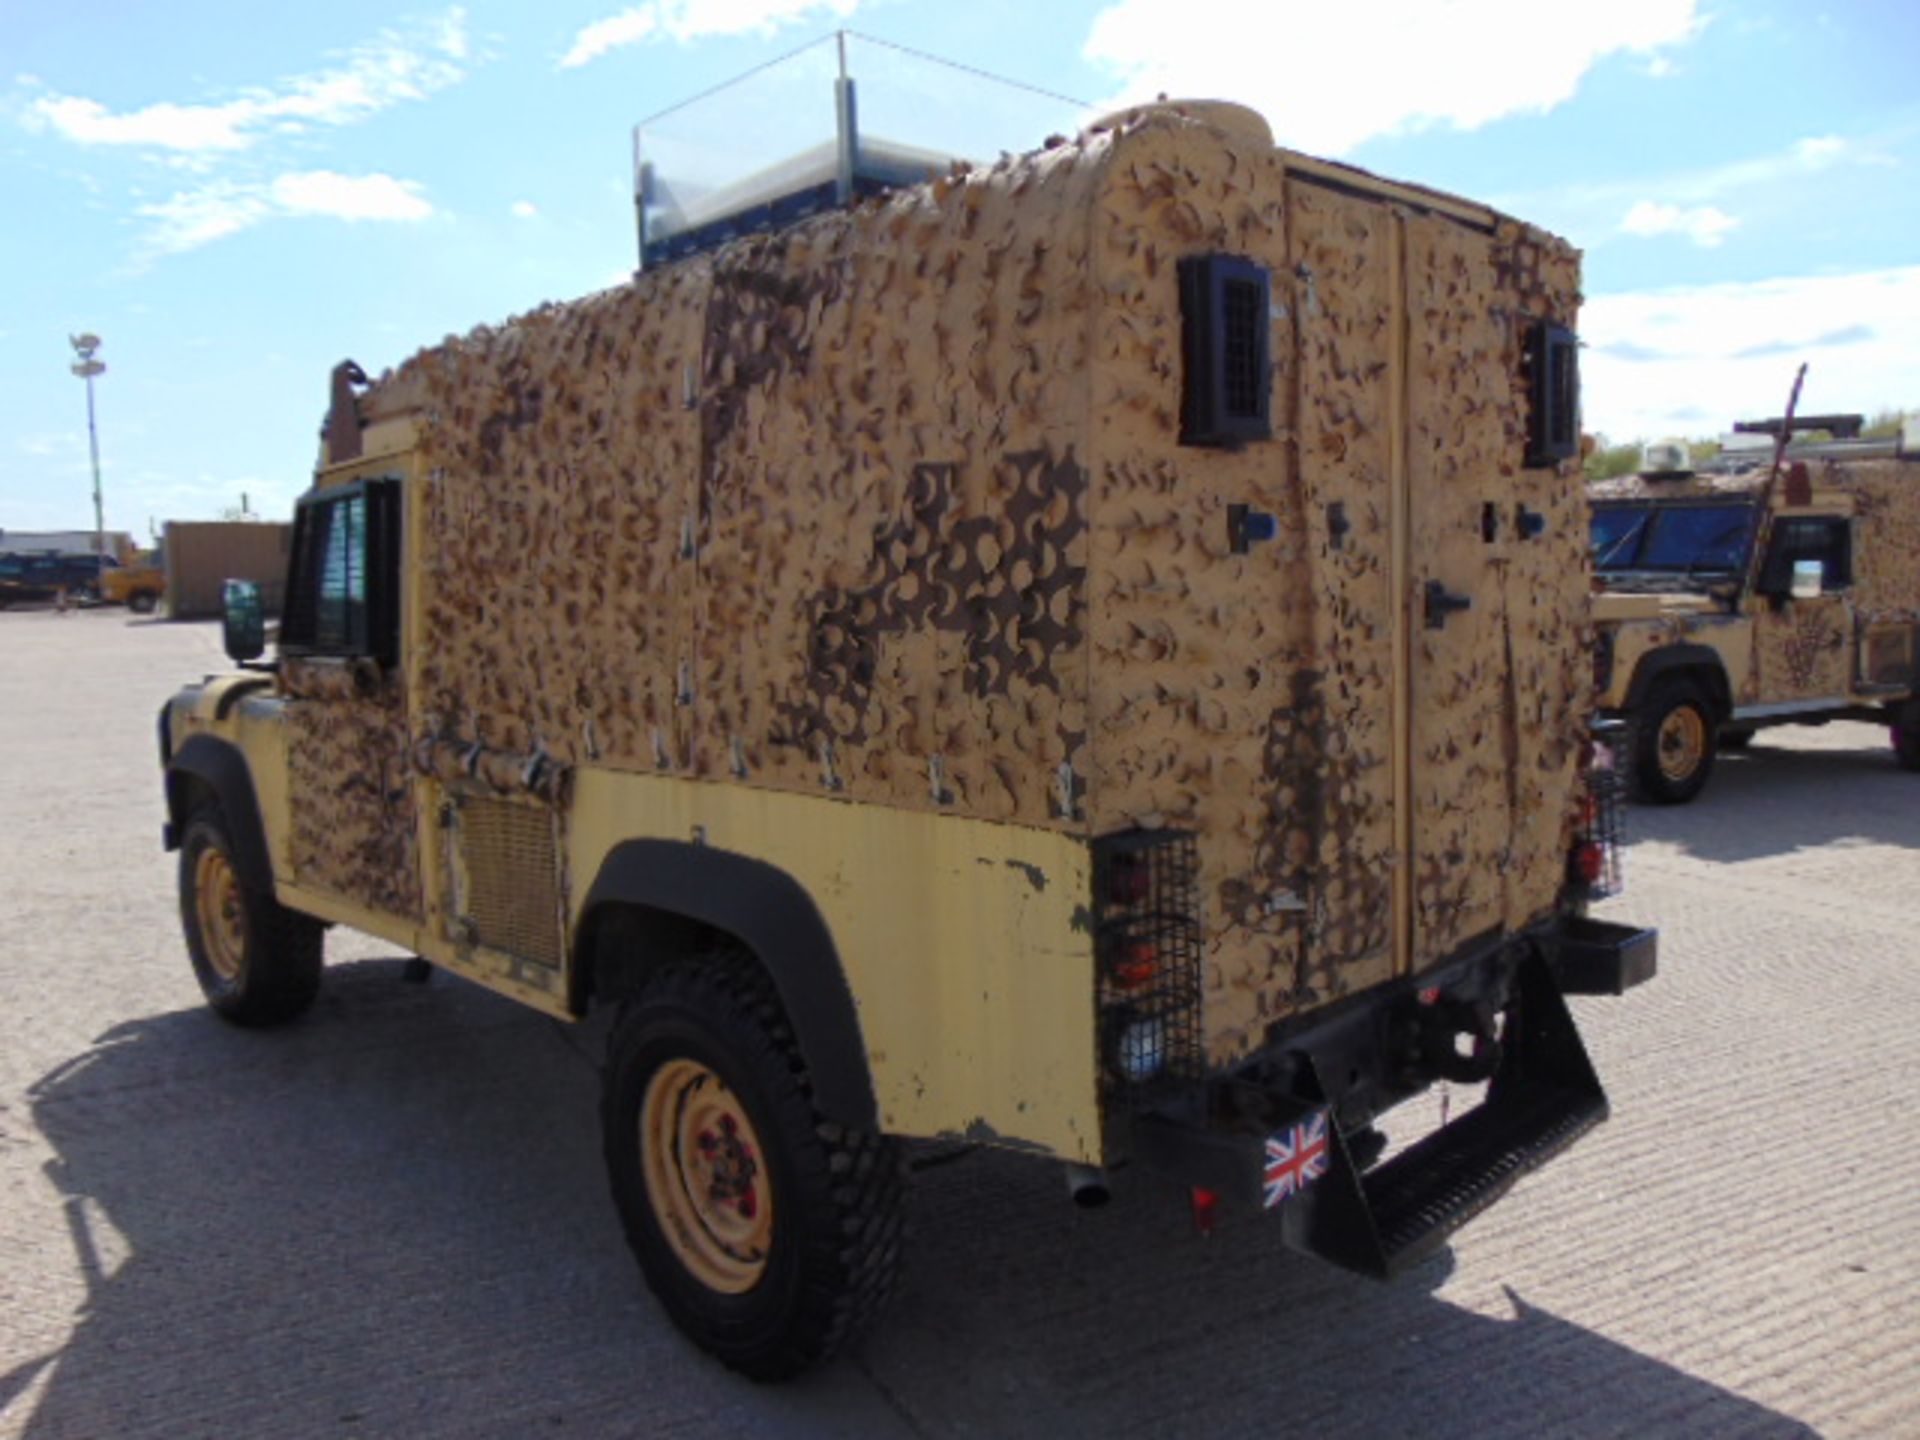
(1589, 863)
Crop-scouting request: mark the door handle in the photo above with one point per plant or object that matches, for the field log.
(1442, 602)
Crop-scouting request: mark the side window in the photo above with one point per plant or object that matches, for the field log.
(1825, 538)
(343, 579)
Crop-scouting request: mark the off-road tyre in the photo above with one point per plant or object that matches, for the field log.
(1673, 743)
(835, 1196)
(143, 602)
(1735, 737)
(1906, 746)
(260, 963)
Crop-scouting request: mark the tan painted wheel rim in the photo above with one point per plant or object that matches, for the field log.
(1683, 742)
(223, 926)
(706, 1176)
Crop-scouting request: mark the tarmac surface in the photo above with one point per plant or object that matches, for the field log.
(390, 1218)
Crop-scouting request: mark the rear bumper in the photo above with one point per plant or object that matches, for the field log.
(1292, 1129)
(1598, 957)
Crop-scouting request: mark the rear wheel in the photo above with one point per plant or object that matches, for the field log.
(1673, 746)
(142, 602)
(770, 1234)
(258, 963)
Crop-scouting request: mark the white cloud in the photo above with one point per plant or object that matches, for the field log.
(194, 218)
(349, 197)
(1330, 76)
(1705, 225)
(525, 209)
(198, 217)
(396, 66)
(688, 20)
(1690, 361)
(629, 27)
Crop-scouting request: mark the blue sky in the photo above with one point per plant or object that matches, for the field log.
(236, 196)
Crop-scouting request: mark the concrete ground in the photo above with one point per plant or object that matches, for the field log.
(390, 1219)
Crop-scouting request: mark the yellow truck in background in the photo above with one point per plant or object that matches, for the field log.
(1080, 655)
(140, 584)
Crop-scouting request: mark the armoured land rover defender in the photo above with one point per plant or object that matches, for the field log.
(1083, 655)
(1781, 592)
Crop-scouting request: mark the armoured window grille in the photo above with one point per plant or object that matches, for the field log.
(1553, 388)
(1226, 390)
(1242, 313)
(343, 581)
(1147, 943)
(512, 879)
(340, 600)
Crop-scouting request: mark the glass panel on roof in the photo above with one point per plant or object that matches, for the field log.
(769, 149)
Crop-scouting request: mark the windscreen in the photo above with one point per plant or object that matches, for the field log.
(1616, 535)
(1687, 538)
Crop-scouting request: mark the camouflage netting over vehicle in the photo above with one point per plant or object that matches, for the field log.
(894, 506)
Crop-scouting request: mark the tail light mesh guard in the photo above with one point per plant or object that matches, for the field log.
(1605, 782)
(1147, 945)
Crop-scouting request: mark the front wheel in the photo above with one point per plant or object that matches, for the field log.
(1673, 746)
(770, 1234)
(258, 963)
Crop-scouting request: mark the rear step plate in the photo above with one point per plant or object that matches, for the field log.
(1544, 1097)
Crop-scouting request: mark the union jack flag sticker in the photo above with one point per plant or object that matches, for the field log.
(1296, 1157)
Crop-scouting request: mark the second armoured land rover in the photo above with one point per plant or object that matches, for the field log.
(1782, 592)
(1082, 655)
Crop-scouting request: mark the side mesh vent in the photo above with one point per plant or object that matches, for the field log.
(512, 899)
(1224, 305)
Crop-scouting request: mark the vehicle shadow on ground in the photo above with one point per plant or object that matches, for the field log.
(1775, 798)
(390, 1219)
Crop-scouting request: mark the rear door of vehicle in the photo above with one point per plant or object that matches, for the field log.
(1499, 672)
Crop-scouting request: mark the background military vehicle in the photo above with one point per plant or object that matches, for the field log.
(1758, 592)
(1073, 655)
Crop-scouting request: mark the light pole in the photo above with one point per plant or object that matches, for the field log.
(86, 367)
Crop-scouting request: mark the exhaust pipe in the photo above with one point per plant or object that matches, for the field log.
(1087, 1186)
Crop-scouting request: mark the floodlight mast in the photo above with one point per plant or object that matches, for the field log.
(86, 367)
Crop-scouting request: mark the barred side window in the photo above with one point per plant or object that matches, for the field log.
(343, 585)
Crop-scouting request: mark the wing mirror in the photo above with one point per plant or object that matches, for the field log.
(243, 621)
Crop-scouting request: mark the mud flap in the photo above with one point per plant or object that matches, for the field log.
(1544, 1096)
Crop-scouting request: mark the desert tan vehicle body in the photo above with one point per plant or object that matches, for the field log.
(1715, 640)
(850, 594)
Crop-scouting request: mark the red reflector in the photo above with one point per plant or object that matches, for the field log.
(1136, 964)
(1430, 995)
(1590, 861)
(1204, 1204)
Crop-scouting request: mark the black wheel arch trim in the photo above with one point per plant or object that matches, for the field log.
(771, 913)
(219, 765)
(1668, 658)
